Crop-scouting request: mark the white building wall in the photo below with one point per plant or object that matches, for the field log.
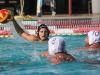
(95, 6)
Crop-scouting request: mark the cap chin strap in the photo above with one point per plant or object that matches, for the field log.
(44, 40)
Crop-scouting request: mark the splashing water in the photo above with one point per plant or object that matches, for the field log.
(35, 56)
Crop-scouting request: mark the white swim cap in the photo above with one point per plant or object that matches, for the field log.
(55, 45)
(94, 37)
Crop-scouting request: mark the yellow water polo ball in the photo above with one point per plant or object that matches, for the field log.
(4, 15)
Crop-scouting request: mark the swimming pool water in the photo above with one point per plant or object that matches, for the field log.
(20, 57)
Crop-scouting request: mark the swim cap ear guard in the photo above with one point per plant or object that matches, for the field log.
(42, 26)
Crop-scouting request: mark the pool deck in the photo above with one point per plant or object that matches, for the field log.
(59, 16)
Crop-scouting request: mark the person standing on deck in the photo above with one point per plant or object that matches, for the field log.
(53, 7)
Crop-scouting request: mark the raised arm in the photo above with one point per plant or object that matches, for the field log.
(22, 33)
(19, 30)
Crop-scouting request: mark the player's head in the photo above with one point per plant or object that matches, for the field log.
(43, 32)
(93, 37)
(56, 45)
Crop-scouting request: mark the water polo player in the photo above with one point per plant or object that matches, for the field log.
(42, 32)
(56, 51)
(92, 41)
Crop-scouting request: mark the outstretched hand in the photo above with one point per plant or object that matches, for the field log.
(11, 16)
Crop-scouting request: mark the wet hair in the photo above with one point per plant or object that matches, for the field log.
(42, 26)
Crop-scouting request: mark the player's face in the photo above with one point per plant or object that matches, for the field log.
(43, 34)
